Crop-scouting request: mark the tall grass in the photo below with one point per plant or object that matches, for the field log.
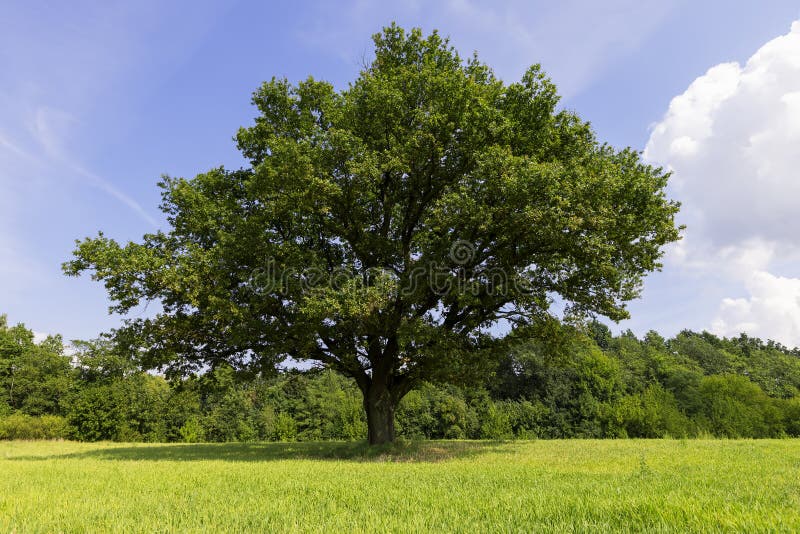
(626, 485)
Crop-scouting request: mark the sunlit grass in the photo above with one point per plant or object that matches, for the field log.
(571, 485)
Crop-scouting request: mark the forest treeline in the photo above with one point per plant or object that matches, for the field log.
(583, 382)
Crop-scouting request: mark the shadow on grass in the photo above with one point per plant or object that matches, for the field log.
(401, 451)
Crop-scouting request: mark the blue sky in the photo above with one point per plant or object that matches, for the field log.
(98, 99)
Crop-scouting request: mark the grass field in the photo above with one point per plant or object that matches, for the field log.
(626, 485)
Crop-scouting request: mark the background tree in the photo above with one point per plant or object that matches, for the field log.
(34, 377)
(384, 229)
(559, 385)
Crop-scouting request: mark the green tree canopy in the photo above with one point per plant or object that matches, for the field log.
(383, 229)
(34, 377)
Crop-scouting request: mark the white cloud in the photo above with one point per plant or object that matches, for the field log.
(732, 140)
(770, 311)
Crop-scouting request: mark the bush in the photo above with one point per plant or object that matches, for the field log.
(285, 428)
(653, 413)
(433, 412)
(495, 422)
(330, 408)
(527, 419)
(192, 431)
(791, 415)
(735, 407)
(22, 426)
(93, 414)
(414, 418)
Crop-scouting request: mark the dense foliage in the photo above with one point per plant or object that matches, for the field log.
(579, 383)
(383, 229)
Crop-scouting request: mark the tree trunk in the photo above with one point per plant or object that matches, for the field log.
(379, 403)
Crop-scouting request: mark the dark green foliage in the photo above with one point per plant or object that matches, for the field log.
(114, 401)
(691, 385)
(652, 413)
(381, 230)
(735, 407)
(435, 413)
(34, 378)
(568, 382)
(94, 414)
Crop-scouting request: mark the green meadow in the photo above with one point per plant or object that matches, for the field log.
(456, 486)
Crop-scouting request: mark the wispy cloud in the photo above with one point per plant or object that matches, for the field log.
(62, 64)
(50, 127)
(9, 146)
(76, 78)
(109, 188)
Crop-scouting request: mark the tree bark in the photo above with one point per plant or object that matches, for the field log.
(379, 404)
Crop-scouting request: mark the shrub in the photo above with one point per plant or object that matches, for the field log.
(495, 422)
(653, 413)
(285, 428)
(192, 431)
(791, 415)
(527, 419)
(94, 414)
(735, 407)
(413, 417)
(22, 426)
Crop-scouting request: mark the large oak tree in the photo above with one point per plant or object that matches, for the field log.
(386, 229)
